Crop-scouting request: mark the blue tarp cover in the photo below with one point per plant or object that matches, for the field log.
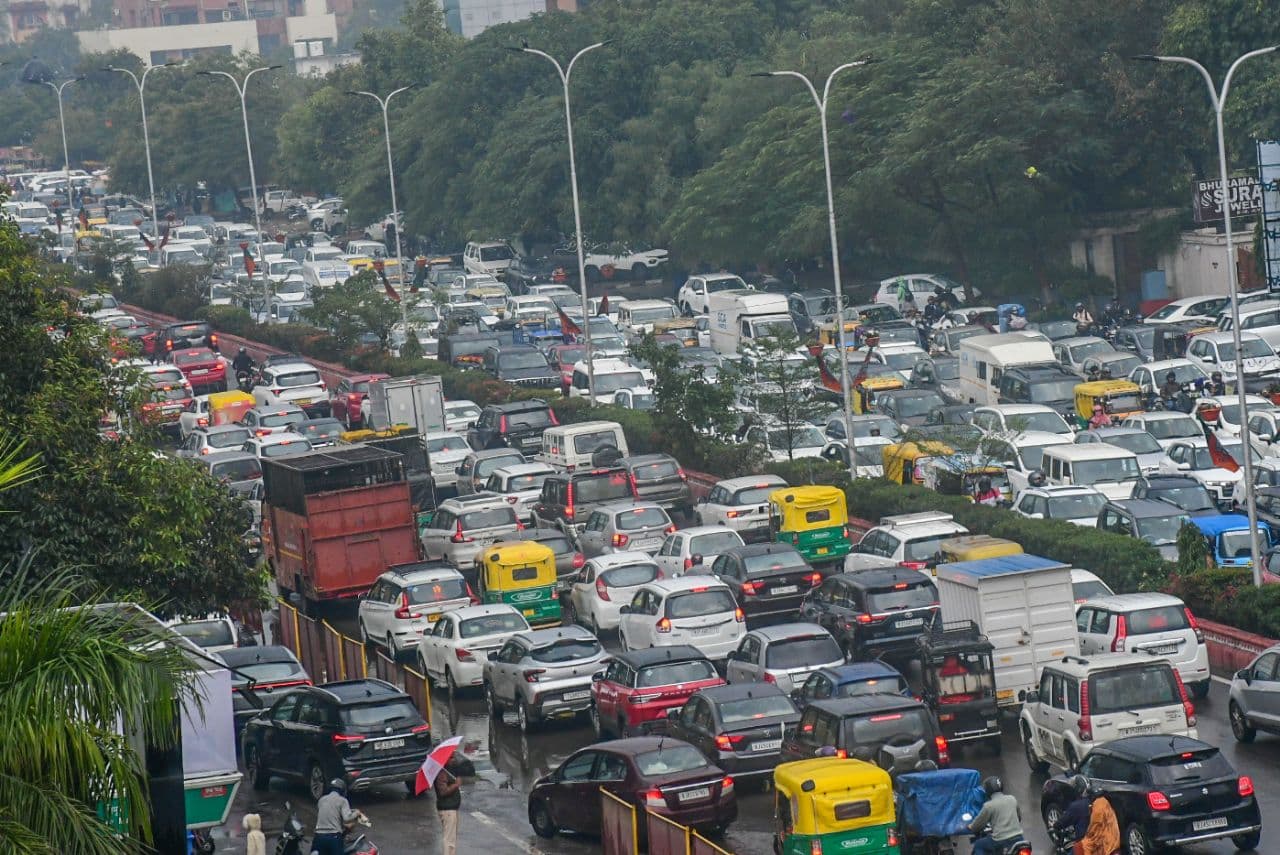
(935, 804)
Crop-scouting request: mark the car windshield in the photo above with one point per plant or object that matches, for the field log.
(726, 284)
(1120, 690)
(1235, 544)
(1081, 352)
(878, 686)
(567, 356)
(170, 393)
(286, 448)
(1204, 764)
(773, 562)
(491, 518)
(462, 411)
(321, 429)
(947, 370)
(1075, 506)
(614, 380)
(522, 359)
(506, 622)
(166, 375)
(753, 709)
(275, 420)
(885, 427)
(802, 436)
(496, 253)
(1089, 589)
(231, 438)
(1031, 455)
(905, 726)
(1160, 530)
(1047, 422)
(486, 465)
(237, 470)
(1139, 443)
(1047, 391)
(1157, 619)
(714, 543)
(633, 519)
(437, 591)
(1116, 469)
(805, 650)
(381, 714)
(656, 470)
(452, 442)
(902, 596)
(629, 575)
(566, 650)
(1181, 427)
(668, 760)
(1204, 460)
(1254, 348)
(651, 314)
(525, 483)
(698, 602)
(298, 378)
(266, 672)
(557, 543)
(903, 360)
(206, 633)
(756, 495)
(868, 455)
(924, 549)
(1192, 497)
(670, 674)
(601, 487)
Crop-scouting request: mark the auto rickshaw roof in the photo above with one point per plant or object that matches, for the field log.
(1216, 525)
(1095, 388)
(518, 552)
(927, 448)
(829, 774)
(806, 496)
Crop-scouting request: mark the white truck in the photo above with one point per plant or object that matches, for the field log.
(985, 358)
(1025, 606)
(325, 274)
(416, 401)
(740, 318)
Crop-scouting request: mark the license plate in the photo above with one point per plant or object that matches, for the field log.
(200, 371)
(785, 589)
(647, 544)
(433, 617)
(387, 744)
(903, 624)
(577, 696)
(702, 630)
(1004, 694)
(1163, 649)
(302, 402)
(1206, 824)
(528, 612)
(822, 550)
(705, 793)
(1135, 731)
(767, 745)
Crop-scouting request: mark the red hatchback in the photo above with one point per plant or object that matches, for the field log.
(635, 692)
(165, 407)
(204, 369)
(561, 357)
(350, 394)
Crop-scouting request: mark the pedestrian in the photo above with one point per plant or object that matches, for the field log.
(255, 841)
(906, 301)
(448, 803)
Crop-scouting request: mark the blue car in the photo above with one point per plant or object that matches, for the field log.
(1227, 537)
(851, 680)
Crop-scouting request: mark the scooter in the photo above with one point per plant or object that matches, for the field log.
(1017, 847)
(292, 840)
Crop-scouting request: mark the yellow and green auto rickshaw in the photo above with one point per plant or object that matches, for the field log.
(829, 805)
(1118, 398)
(815, 520)
(523, 575)
(905, 462)
(959, 475)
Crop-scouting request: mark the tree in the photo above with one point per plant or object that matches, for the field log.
(781, 377)
(689, 406)
(353, 309)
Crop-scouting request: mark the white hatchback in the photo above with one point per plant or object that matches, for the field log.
(692, 550)
(606, 584)
(692, 610)
(741, 504)
(454, 650)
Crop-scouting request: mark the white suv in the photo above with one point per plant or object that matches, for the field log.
(741, 504)
(462, 527)
(492, 257)
(1155, 624)
(406, 601)
(692, 298)
(1085, 702)
(909, 540)
(694, 610)
(291, 383)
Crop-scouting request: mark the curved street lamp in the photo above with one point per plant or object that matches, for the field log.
(141, 86)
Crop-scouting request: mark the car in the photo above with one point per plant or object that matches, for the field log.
(632, 526)
(738, 727)
(488, 257)
(285, 444)
(521, 484)
(460, 415)
(922, 287)
(568, 559)
(635, 399)
(1166, 427)
(568, 498)
(164, 407)
(323, 433)
(1157, 523)
(462, 527)
(514, 425)
(692, 297)
(1254, 697)
(239, 471)
(694, 550)
(1071, 353)
(1117, 364)
(1153, 624)
(741, 504)
(605, 584)
(611, 375)
(874, 612)
(1151, 376)
(205, 370)
(187, 334)
(520, 365)
(1085, 702)
(767, 579)
(195, 414)
(1228, 423)
(475, 468)
(273, 670)
(1141, 443)
(211, 440)
(850, 680)
(783, 654)
(1007, 419)
(659, 478)
(909, 407)
(279, 418)
(891, 731)
(1166, 792)
(452, 652)
(638, 688)
(869, 425)
(562, 357)
(1192, 457)
(1021, 454)
(909, 540)
(659, 774)
(213, 633)
(543, 674)
(344, 403)
(1180, 491)
(689, 610)
(366, 732)
(297, 383)
(445, 452)
(1076, 504)
(1216, 351)
(1202, 309)
(404, 602)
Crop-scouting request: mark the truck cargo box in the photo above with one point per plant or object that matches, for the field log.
(287, 481)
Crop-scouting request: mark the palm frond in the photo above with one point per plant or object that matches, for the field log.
(14, 468)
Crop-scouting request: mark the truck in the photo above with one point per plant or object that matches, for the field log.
(741, 317)
(985, 358)
(324, 274)
(416, 401)
(335, 520)
(1023, 604)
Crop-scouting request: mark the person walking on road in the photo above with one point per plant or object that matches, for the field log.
(906, 301)
(448, 803)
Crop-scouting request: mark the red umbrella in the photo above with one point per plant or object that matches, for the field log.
(435, 762)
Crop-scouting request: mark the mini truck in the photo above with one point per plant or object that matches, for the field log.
(740, 318)
(333, 521)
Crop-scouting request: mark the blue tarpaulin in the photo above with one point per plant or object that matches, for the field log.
(940, 803)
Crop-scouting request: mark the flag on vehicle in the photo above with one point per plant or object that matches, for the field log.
(146, 240)
(380, 266)
(829, 381)
(435, 762)
(164, 236)
(567, 325)
(604, 305)
(249, 264)
(1220, 456)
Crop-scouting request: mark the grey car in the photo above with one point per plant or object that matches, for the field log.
(625, 527)
(475, 469)
(211, 440)
(463, 526)
(1132, 439)
(784, 654)
(237, 469)
(1155, 522)
(543, 674)
(568, 559)
(1255, 697)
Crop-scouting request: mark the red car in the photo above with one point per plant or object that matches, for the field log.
(561, 357)
(166, 406)
(203, 368)
(634, 693)
(350, 394)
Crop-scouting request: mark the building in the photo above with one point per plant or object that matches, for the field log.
(469, 18)
(24, 18)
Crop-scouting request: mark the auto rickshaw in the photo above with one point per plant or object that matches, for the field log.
(685, 329)
(1171, 340)
(864, 392)
(904, 462)
(523, 575)
(833, 805)
(975, 547)
(827, 333)
(959, 682)
(959, 474)
(815, 520)
(229, 407)
(1119, 398)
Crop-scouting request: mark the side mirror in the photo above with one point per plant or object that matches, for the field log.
(625, 610)
(1184, 467)
(295, 598)
(493, 655)
(1031, 696)
(597, 676)
(1245, 674)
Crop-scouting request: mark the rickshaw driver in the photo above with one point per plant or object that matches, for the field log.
(1002, 814)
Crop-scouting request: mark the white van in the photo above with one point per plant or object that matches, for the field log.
(569, 447)
(984, 358)
(1111, 470)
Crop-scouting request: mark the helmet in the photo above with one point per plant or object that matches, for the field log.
(1079, 305)
(1171, 378)
(826, 751)
(984, 483)
(339, 786)
(242, 350)
(1216, 376)
(1095, 789)
(1036, 479)
(1079, 784)
(992, 785)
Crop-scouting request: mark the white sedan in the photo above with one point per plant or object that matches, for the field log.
(460, 415)
(692, 550)
(608, 583)
(446, 450)
(454, 651)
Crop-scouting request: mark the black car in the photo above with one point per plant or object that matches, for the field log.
(660, 478)
(1166, 791)
(568, 559)
(466, 350)
(766, 578)
(892, 731)
(515, 424)
(1050, 385)
(366, 732)
(521, 365)
(184, 334)
(546, 270)
(1180, 491)
(873, 612)
(951, 414)
(273, 669)
(737, 727)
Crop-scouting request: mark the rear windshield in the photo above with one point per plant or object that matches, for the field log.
(187, 357)
(322, 430)
(492, 518)
(638, 518)
(1207, 764)
(437, 591)
(447, 443)
(488, 464)
(391, 712)
(274, 420)
(668, 760)
(1175, 428)
(170, 393)
(675, 672)
(284, 449)
(654, 471)
(1160, 619)
(753, 495)
(906, 725)
(587, 443)
(492, 625)
(299, 378)
(773, 562)
(715, 543)
(1133, 688)
(1089, 589)
(168, 375)
(879, 686)
(560, 545)
(601, 488)
(566, 650)
(530, 418)
(698, 603)
(228, 438)
(631, 574)
(801, 651)
(924, 549)
(750, 709)
(897, 599)
(267, 672)
(206, 633)
(237, 470)
(521, 483)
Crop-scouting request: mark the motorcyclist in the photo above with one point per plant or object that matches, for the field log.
(1100, 417)
(933, 310)
(986, 493)
(1083, 319)
(1103, 834)
(334, 817)
(1216, 385)
(1000, 813)
(1074, 822)
(242, 363)
(1171, 388)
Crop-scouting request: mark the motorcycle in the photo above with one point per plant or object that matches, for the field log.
(244, 381)
(292, 838)
(1017, 847)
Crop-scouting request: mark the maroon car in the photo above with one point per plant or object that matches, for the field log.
(561, 357)
(665, 775)
(350, 394)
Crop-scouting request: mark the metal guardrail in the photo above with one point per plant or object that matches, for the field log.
(619, 834)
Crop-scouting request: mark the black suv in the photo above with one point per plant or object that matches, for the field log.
(522, 365)
(1181, 491)
(873, 612)
(766, 578)
(1166, 791)
(659, 478)
(273, 669)
(516, 424)
(891, 731)
(184, 334)
(568, 498)
(366, 732)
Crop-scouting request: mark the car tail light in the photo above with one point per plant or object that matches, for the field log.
(459, 537)
(204, 450)
(671, 529)
(864, 618)
(1086, 720)
(420, 729)
(654, 798)
(770, 678)
(213, 341)
(733, 515)
(683, 477)
(1122, 633)
(168, 344)
(1188, 708)
(621, 539)
(891, 840)
(464, 655)
(727, 742)
(638, 698)
(276, 391)
(348, 740)
(631, 476)
(813, 579)
(914, 565)
(663, 625)
(841, 754)
(1195, 625)
(502, 424)
(1244, 786)
(531, 674)
(752, 588)
(568, 504)
(1158, 801)
(205, 423)
(726, 786)
(739, 616)
(262, 432)
(578, 560)
(602, 590)
(323, 385)
(403, 612)
(944, 755)
(471, 595)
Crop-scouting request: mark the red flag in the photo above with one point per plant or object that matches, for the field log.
(249, 264)
(567, 325)
(381, 267)
(829, 382)
(1220, 456)
(604, 305)
(164, 236)
(84, 221)
(146, 240)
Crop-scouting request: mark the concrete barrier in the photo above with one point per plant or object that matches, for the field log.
(1231, 649)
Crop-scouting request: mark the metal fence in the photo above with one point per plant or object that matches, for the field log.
(618, 832)
(666, 837)
(699, 845)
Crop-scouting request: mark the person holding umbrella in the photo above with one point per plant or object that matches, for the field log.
(448, 790)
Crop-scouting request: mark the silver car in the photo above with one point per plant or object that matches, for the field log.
(543, 674)
(461, 527)
(211, 440)
(784, 654)
(1255, 697)
(625, 527)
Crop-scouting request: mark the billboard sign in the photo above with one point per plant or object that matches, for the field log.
(1245, 193)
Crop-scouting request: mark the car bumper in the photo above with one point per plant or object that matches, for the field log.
(551, 703)
(722, 813)
(755, 608)
(742, 765)
(716, 650)
(467, 673)
(463, 557)
(1180, 831)
(317, 410)
(360, 777)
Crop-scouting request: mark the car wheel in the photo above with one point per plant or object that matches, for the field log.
(640, 272)
(686, 309)
(491, 701)
(259, 775)
(523, 717)
(422, 667)
(1037, 765)
(317, 783)
(1136, 841)
(597, 727)
(450, 683)
(1240, 727)
(1051, 812)
(364, 635)
(1200, 690)
(1246, 842)
(391, 647)
(540, 818)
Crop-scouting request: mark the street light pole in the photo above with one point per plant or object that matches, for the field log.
(241, 88)
(564, 73)
(62, 121)
(395, 211)
(141, 86)
(821, 103)
(1218, 99)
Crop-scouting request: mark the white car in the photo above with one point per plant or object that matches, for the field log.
(1149, 451)
(405, 601)
(163, 374)
(453, 651)
(1191, 457)
(909, 540)
(194, 415)
(445, 451)
(277, 445)
(1229, 411)
(741, 504)
(460, 415)
(1148, 624)
(521, 484)
(868, 455)
(1166, 426)
(1217, 352)
(1151, 376)
(1199, 309)
(900, 356)
(640, 265)
(606, 584)
(289, 383)
(1074, 504)
(491, 257)
(922, 286)
(1016, 418)
(692, 550)
(1087, 586)
(805, 441)
(212, 633)
(693, 610)
(611, 375)
(1020, 454)
(1072, 352)
(637, 317)
(640, 398)
(692, 298)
